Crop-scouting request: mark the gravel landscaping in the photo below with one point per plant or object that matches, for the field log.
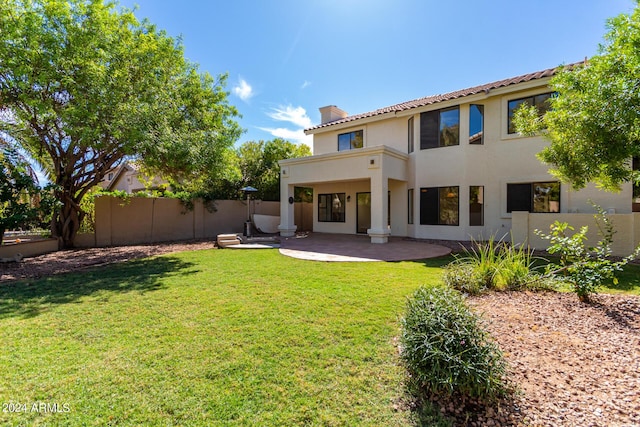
(574, 364)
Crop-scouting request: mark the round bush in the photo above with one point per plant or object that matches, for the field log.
(446, 349)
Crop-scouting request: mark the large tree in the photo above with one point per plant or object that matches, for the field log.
(594, 121)
(255, 164)
(84, 86)
(258, 162)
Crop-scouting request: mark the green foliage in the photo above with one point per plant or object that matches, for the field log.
(493, 265)
(593, 124)
(17, 191)
(255, 164)
(446, 348)
(47, 205)
(83, 85)
(584, 267)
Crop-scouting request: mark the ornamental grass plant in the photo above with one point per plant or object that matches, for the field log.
(494, 265)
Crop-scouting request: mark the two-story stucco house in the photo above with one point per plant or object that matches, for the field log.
(448, 166)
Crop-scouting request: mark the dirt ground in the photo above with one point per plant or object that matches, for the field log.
(574, 364)
(72, 260)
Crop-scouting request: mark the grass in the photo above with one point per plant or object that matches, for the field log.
(214, 338)
(209, 338)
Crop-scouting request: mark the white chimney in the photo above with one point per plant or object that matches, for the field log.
(331, 113)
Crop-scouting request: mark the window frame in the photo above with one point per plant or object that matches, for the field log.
(427, 129)
(511, 131)
(326, 207)
(481, 133)
(410, 135)
(410, 213)
(435, 194)
(353, 137)
(473, 214)
(511, 198)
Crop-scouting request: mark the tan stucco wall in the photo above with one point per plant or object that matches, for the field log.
(626, 238)
(377, 133)
(350, 188)
(29, 249)
(351, 172)
(502, 159)
(147, 220)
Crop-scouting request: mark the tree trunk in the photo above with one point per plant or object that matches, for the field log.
(66, 222)
(2, 230)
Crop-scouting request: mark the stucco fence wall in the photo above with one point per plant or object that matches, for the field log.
(151, 220)
(626, 238)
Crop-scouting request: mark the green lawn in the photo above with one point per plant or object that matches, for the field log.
(208, 338)
(212, 338)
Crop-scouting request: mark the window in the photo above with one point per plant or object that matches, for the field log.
(351, 140)
(476, 124)
(331, 207)
(476, 205)
(541, 102)
(439, 128)
(439, 206)
(410, 206)
(110, 176)
(534, 197)
(410, 135)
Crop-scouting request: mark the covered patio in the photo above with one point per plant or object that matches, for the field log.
(378, 174)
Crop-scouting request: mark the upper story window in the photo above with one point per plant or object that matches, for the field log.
(541, 102)
(351, 140)
(476, 124)
(440, 128)
(410, 135)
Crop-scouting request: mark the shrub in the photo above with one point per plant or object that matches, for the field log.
(445, 348)
(463, 277)
(584, 268)
(492, 265)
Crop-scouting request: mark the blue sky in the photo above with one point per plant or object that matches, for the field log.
(287, 58)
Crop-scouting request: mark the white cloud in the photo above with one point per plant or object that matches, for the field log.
(295, 136)
(306, 84)
(243, 90)
(296, 115)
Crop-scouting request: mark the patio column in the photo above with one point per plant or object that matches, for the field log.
(379, 231)
(287, 227)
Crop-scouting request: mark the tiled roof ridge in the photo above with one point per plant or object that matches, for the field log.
(433, 99)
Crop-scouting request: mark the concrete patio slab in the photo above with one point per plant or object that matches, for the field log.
(254, 246)
(349, 248)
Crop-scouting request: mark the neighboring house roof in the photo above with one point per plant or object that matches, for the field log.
(117, 172)
(434, 99)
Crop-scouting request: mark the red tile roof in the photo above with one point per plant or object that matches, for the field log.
(434, 99)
